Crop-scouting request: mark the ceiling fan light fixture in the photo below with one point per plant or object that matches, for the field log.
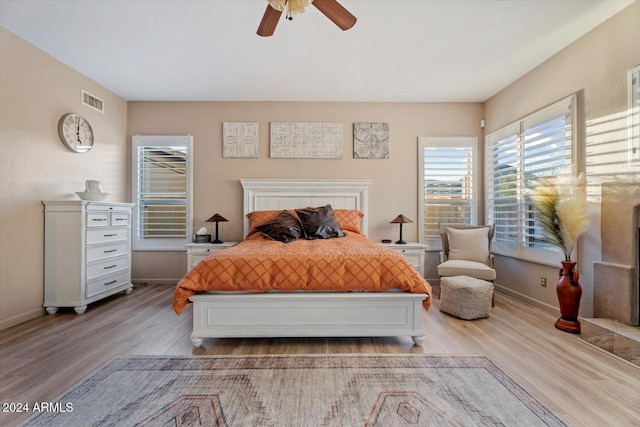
(278, 4)
(296, 7)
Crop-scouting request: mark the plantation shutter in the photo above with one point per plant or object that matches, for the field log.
(538, 146)
(546, 152)
(448, 183)
(503, 174)
(634, 119)
(162, 191)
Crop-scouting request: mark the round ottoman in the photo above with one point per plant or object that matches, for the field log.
(466, 297)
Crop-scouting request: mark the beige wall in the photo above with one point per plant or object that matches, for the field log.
(216, 179)
(35, 90)
(595, 67)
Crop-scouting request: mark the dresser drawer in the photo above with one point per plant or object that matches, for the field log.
(97, 253)
(105, 235)
(98, 219)
(109, 266)
(105, 284)
(119, 218)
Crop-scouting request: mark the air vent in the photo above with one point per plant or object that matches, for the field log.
(92, 101)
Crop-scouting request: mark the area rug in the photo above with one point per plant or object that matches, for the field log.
(295, 390)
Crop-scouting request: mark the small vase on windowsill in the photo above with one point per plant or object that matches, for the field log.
(569, 294)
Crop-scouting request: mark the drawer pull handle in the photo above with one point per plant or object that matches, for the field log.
(98, 219)
(121, 219)
(110, 266)
(111, 282)
(110, 250)
(110, 235)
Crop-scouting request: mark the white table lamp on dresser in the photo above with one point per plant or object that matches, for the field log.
(87, 252)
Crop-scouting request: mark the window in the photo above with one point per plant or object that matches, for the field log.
(447, 189)
(634, 114)
(162, 185)
(540, 145)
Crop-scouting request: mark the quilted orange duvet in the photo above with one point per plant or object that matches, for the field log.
(259, 264)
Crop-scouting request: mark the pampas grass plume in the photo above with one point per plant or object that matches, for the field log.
(561, 207)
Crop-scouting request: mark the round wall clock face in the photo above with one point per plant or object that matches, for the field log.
(76, 133)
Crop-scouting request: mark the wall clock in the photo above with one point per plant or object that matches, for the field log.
(75, 132)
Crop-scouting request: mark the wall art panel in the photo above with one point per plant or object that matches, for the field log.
(240, 139)
(300, 140)
(371, 140)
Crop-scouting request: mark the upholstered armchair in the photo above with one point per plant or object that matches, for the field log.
(466, 251)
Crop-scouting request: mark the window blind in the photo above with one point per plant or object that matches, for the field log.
(447, 190)
(162, 192)
(538, 146)
(634, 114)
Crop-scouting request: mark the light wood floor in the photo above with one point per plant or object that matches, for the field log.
(582, 385)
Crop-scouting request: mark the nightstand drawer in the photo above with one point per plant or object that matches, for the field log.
(414, 259)
(414, 252)
(196, 252)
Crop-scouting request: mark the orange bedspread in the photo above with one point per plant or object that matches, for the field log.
(259, 264)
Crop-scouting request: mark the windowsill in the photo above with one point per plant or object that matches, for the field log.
(529, 260)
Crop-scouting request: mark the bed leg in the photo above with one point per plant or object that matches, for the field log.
(197, 342)
(418, 339)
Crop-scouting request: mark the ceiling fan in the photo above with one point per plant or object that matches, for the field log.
(330, 8)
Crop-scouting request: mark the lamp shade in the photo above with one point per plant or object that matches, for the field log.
(217, 218)
(401, 219)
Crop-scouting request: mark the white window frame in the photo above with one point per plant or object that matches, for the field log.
(435, 242)
(548, 255)
(139, 243)
(634, 115)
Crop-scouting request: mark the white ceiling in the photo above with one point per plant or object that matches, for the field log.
(399, 50)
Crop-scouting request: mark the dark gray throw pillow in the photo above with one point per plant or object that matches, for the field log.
(319, 223)
(285, 227)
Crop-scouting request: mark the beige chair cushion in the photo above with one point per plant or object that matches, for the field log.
(469, 244)
(466, 268)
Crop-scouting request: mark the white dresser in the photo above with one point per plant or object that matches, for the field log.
(414, 252)
(87, 252)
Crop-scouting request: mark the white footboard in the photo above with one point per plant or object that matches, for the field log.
(307, 314)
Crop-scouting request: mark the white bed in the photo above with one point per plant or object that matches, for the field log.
(306, 314)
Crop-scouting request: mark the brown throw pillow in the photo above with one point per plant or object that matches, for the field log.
(319, 223)
(285, 228)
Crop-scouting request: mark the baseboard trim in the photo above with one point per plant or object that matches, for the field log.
(525, 298)
(155, 281)
(20, 318)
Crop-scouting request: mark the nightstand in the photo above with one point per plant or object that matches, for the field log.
(414, 252)
(196, 252)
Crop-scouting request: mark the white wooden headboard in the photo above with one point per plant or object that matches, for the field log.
(275, 194)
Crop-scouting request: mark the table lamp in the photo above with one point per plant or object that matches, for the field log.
(401, 219)
(217, 218)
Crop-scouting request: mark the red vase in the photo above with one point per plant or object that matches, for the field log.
(569, 294)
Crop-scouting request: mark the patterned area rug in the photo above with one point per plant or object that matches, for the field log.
(317, 390)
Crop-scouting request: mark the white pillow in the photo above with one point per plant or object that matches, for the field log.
(471, 244)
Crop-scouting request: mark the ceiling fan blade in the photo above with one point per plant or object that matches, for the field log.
(336, 13)
(269, 21)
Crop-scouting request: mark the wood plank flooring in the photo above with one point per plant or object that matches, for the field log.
(581, 384)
